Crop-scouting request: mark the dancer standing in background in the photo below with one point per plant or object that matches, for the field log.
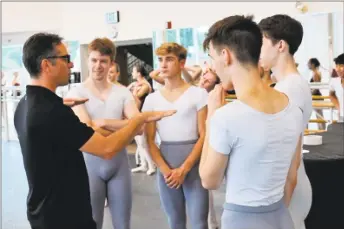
(337, 87)
(313, 65)
(140, 90)
(114, 73)
(208, 80)
(282, 36)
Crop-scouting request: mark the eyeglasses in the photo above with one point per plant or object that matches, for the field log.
(65, 57)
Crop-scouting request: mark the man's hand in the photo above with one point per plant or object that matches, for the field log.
(71, 102)
(100, 123)
(176, 178)
(152, 116)
(216, 99)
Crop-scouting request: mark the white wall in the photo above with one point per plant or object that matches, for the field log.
(85, 20)
(30, 16)
(315, 44)
(338, 34)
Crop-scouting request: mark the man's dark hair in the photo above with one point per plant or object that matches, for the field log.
(315, 62)
(38, 47)
(240, 34)
(140, 69)
(283, 27)
(339, 59)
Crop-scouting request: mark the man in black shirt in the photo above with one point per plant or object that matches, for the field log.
(51, 137)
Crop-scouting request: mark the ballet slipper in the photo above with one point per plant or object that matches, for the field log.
(151, 171)
(139, 169)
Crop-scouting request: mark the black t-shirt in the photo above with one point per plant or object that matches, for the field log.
(50, 136)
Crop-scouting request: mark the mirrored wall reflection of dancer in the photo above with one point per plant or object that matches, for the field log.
(314, 65)
(140, 90)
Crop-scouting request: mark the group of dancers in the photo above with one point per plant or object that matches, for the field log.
(253, 144)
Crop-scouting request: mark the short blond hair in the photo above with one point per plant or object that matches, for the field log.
(172, 48)
(103, 45)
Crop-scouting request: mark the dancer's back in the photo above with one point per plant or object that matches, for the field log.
(261, 149)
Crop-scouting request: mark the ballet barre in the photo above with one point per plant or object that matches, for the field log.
(321, 121)
(9, 94)
(324, 105)
(231, 97)
(309, 132)
(319, 85)
(318, 97)
(314, 97)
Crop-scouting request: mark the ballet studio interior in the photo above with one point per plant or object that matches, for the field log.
(255, 92)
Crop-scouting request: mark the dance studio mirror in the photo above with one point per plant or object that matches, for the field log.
(322, 39)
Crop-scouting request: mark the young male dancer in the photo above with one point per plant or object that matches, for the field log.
(181, 141)
(208, 80)
(109, 107)
(253, 139)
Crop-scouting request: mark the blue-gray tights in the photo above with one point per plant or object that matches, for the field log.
(191, 194)
(110, 179)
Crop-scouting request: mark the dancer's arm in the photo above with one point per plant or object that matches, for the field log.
(213, 163)
(129, 111)
(83, 116)
(155, 76)
(144, 89)
(109, 124)
(195, 154)
(130, 86)
(107, 147)
(334, 99)
(217, 144)
(196, 72)
(292, 173)
(333, 96)
(68, 130)
(71, 102)
(180, 173)
(154, 150)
